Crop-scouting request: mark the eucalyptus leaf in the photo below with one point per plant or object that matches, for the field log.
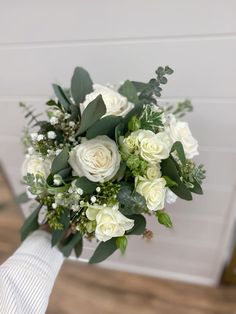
(129, 91)
(22, 198)
(178, 147)
(103, 251)
(139, 225)
(104, 126)
(63, 99)
(81, 85)
(169, 169)
(69, 244)
(30, 224)
(86, 185)
(92, 113)
(60, 161)
(139, 86)
(131, 202)
(79, 248)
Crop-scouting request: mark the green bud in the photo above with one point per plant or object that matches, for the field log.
(134, 124)
(163, 218)
(91, 226)
(121, 244)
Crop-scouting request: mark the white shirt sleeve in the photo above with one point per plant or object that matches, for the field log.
(28, 276)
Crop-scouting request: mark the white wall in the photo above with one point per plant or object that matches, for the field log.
(41, 42)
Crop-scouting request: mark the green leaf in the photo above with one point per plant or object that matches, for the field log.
(169, 169)
(129, 91)
(57, 235)
(140, 86)
(197, 189)
(79, 248)
(139, 225)
(104, 126)
(86, 185)
(69, 244)
(164, 219)
(81, 85)
(119, 130)
(103, 251)
(131, 202)
(169, 181)
(22, 198)
(120, 173)
(30, 224)
(92, 113)
(56, 190)
(60, 162)
(178, 147)
(121, 243)
(64, 101)
(75, 113)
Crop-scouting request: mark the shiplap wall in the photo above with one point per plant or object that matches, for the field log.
(42, 41)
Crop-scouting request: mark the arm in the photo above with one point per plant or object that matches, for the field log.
(27, 277)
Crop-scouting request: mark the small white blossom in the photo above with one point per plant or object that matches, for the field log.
(58, 151)
(57, 179)
(34, 136)
(51, 135)
(72, 124)
(54, 120)
(80, 191)
(93, 199)
(54, 205)
(98, 189)
(40, 137)
(30, 150)
(81, 203)
(75, 208)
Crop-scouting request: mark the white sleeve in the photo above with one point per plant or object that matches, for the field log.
(27, 277)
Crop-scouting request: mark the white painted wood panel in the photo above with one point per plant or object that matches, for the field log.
(56, 20)
(200, 70)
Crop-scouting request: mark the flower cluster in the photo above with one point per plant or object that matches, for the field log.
(104, 159)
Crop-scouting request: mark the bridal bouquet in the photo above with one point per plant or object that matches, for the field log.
(103, 159)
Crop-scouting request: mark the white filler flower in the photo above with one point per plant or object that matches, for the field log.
(35, 164)
(110, 222)
(116, 104)
(153, 191)
(97, 159)
(180, 131)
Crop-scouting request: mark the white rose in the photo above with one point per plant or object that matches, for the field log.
(153, 191)
(153, 172)
(154, 147)
(97, 159)
(116, 104)
(170, 196)
(179, 131)
(110, 222)
(36, 164)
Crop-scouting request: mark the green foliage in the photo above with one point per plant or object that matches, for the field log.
(86, 185)
(70, 243)
(79, 248)
(193, 176)
(104, 126)
(30, 114)
(62, 97)
(81, 85)
(137, 165)
(108, 193)
(139, 225)
(103, 251)
(163, 218)
(153, 89)
(60, 162)
(168, 168)
(151, 119)
(92, 113)
(181, 108)
(54, 217)
(36, 183)
(121, 243)
(130, 201)
(30, 224)
(169, 181)
(178, 147)
(22, 198)
(134, 123)
(129, 91)
(58, 234)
